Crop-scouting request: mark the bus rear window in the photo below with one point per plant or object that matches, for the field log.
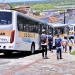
(5, 18)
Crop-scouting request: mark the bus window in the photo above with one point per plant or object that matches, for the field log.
(21, 27)
(67, 30)
(58, 31)
(20, 23)
(70, 28)
(50, 29)
(62, 30)
(44, 27)
(5, 18)
(27, 27)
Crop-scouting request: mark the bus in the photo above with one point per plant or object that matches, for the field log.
(61, 29)
(19, 32)
(71, 30)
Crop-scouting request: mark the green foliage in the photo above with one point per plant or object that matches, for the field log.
(47, 6)
(13, 6)
(42, 6)
(72, 53)
(50, 4)
(37, 13)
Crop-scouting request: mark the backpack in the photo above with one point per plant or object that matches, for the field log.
(58, 42)
(43, 39)
(50, 38)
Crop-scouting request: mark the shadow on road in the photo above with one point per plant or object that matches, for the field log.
(17, 55)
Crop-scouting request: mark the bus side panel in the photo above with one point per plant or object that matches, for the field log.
(26, 39)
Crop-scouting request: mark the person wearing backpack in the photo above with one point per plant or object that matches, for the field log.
(44, 41)
(50, 41)
(58, 43)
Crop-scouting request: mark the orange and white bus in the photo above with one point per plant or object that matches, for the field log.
(19, 32)
(61, 29)
(71, 30)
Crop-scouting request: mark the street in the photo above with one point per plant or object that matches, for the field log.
(20, 64)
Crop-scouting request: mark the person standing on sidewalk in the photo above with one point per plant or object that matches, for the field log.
(65, 43)
(58, 43)
(50, 41)
(44, 43)
(70, 43)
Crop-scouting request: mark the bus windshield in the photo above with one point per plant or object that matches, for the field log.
(70, 28)
(5, 18)
(59, 30)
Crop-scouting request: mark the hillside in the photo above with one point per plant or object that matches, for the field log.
(45, 4)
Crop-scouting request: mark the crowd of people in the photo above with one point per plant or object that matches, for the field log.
(60, 44)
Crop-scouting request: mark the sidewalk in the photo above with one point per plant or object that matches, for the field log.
(51, 66)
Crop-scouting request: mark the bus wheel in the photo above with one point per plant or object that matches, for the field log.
(32, 49)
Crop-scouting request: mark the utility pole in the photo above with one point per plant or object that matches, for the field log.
(64, 17)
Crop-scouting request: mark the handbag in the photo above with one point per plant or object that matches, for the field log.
(70, 44)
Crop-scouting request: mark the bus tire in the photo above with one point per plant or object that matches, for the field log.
(32, 49)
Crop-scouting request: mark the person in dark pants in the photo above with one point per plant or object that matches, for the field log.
(70, 43)
(50, 41)
(43, 40)
(59, 53)
(58, 43)
(44, 49)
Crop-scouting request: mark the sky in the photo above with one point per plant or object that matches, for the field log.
(6, 1)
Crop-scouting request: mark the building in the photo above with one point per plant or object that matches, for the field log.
(23, 9)
(5, 6)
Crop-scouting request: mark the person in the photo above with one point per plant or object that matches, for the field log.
(74, 38)
(50, 41)
(70, 43)
(58, 42)
(64, 43)
(44, 43)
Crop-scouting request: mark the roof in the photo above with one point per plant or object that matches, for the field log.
(53, 19)
(57, 25)
(22, 7)
(3, 5)
(40, 16)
